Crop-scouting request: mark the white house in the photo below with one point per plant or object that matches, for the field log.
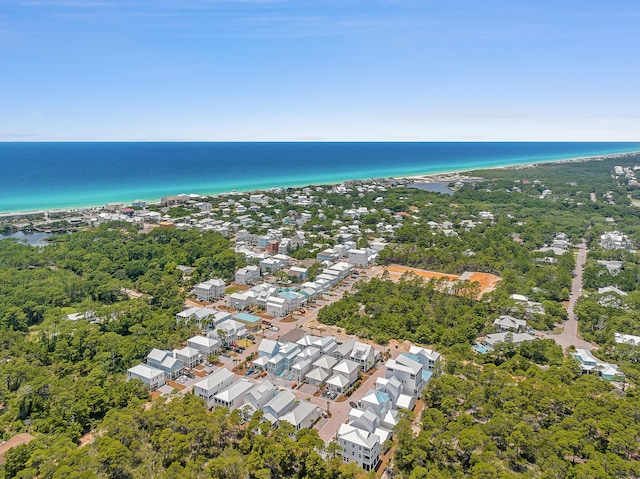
(491, 340)
(210, 290)
(229, 331)
(317, 376)
(304, 415)
(206, 345)
(408, 372)
(364, 257)
(248, 275)
(191, 357)
(427, 357)
(219, 380)
(278, 406)
(259, 395)
(338, 383)
(153, 378)
(233, 396)
(365, 355)
(349, 369)
(277, 307)
(509, 323)
(241, 301)
(359, 446)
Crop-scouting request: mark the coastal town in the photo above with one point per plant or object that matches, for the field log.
(262, 344)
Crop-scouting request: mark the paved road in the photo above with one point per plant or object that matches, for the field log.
(569, 336)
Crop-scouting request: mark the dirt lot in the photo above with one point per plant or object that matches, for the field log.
(487, 281)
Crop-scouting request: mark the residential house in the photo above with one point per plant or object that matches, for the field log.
(300, 369)
(409, 372)
(365, 355)
(234, 395)
(317, 376)
(345, 374)
(362, 257)
(259, 395)
(214, 383)
(203, 317)
(152, 378)
(626, 339)
(326, 362)
(278, 406)
(301, 274)
(343, 351)
(210, 290)
(509, 323)
(613, 267)
(205, 345)
(304, 415)
(338, 383)
(271, 265)
(284, 359)
(393, 387)
(191, 357)
(592, 365)
(229, 331)
(268, 348)
(349, 369)
(166, 362)
(491, 340)
(242, 301)
(359, 446)
(248, 275)
(276, 307)
(427, 357)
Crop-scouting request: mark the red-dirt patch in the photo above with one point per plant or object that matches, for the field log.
(175, 385)
(487, 281)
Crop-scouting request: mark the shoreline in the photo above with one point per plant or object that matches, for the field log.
(435, 177)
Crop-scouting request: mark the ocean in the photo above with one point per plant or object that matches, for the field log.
(72, 175)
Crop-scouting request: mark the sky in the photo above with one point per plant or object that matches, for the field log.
(319, 70)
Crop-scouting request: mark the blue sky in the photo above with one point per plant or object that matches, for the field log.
(301, 70)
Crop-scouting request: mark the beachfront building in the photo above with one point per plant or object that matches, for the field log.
(210, 290)
(152, 378)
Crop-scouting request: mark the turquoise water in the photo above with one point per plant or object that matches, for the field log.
(67, 175)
